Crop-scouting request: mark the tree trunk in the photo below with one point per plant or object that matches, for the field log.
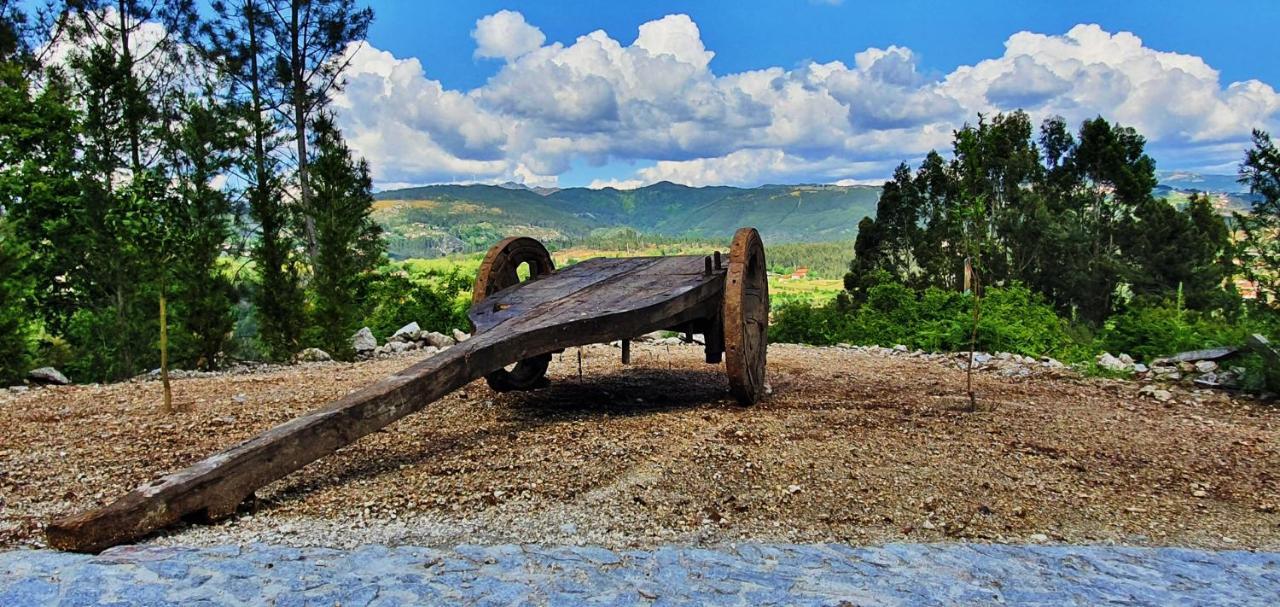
(164, 355)
(297, 60)
(130, 101)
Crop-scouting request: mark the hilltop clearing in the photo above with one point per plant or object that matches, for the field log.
(854, 446)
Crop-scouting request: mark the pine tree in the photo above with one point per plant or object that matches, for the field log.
(38, 164)
(1260, 249)
(240, 42)
(349, 244)
(121, 80)
(199, 150)
(309, 39)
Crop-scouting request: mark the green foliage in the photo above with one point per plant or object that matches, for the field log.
(1260, 249)
(1151, 330)
(1014, 319)
(1071, 217)
(437, 301)
(348, 247)
(824, 259)
(16, 291)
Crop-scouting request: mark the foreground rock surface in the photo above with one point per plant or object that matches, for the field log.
(747, 574)
(855, 446)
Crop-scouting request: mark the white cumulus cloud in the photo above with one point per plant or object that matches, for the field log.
(655, 101)
(505, 35)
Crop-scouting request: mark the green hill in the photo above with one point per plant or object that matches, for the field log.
(433, 220)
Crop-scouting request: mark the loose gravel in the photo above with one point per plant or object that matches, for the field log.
(853, 446)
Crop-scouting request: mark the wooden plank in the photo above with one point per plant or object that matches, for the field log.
(602, 302)
(1209, 354)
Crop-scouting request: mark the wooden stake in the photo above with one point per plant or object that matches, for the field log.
(164, 356)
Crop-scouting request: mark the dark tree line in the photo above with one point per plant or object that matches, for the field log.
(1070, 215)
(145, 146)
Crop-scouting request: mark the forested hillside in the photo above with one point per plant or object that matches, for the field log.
(433, 220)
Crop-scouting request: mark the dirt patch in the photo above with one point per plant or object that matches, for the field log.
(851, 447)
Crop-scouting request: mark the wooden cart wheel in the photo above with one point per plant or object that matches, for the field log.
(499, 270)
(746, 316)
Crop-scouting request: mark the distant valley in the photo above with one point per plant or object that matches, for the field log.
(436, 220)
(441, 219)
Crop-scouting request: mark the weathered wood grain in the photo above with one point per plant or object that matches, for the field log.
(595, 301)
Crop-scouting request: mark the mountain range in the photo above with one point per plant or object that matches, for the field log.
(438, 219)
(434, 220)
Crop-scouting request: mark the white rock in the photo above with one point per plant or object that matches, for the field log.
(1206, 366)
(460, 336)
(439, 340)
(408, 332)
(1126, 359)
(1111, 363)
(48, 375)
(363, 340)
(313, 355)
(397, 347)
(1140, 368)
(899, 348)
(1051, 362)
(430, 350)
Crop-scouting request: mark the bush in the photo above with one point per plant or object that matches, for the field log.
(799, 322)
(16, 290)
(1016, 320)
(1013, 320)
(1147, 331)
(436, 300)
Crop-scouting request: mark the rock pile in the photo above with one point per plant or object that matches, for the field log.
(1204, 368)
(1007, 364)
(408, 338)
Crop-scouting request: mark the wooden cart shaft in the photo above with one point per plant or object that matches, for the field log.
(598, 300)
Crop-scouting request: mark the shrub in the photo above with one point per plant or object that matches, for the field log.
(435, 300)
(1013, 320)
(1152, 330)
(798, 321)
(16, 290)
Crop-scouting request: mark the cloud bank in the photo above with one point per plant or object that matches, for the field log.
(655, 103)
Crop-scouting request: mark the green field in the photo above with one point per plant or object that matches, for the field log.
(781, 288)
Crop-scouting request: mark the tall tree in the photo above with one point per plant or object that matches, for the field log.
(1058, 221)
(199, 153)
(240, 41)
(1260, 248)
(38, 165)
(349, 242)
(127, 60)
(310, 37)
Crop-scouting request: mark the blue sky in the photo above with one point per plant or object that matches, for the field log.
(787, 91)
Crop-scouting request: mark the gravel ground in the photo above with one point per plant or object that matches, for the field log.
(746, 574)
(853, 447)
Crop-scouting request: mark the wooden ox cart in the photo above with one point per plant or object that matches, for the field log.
(518, 325)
